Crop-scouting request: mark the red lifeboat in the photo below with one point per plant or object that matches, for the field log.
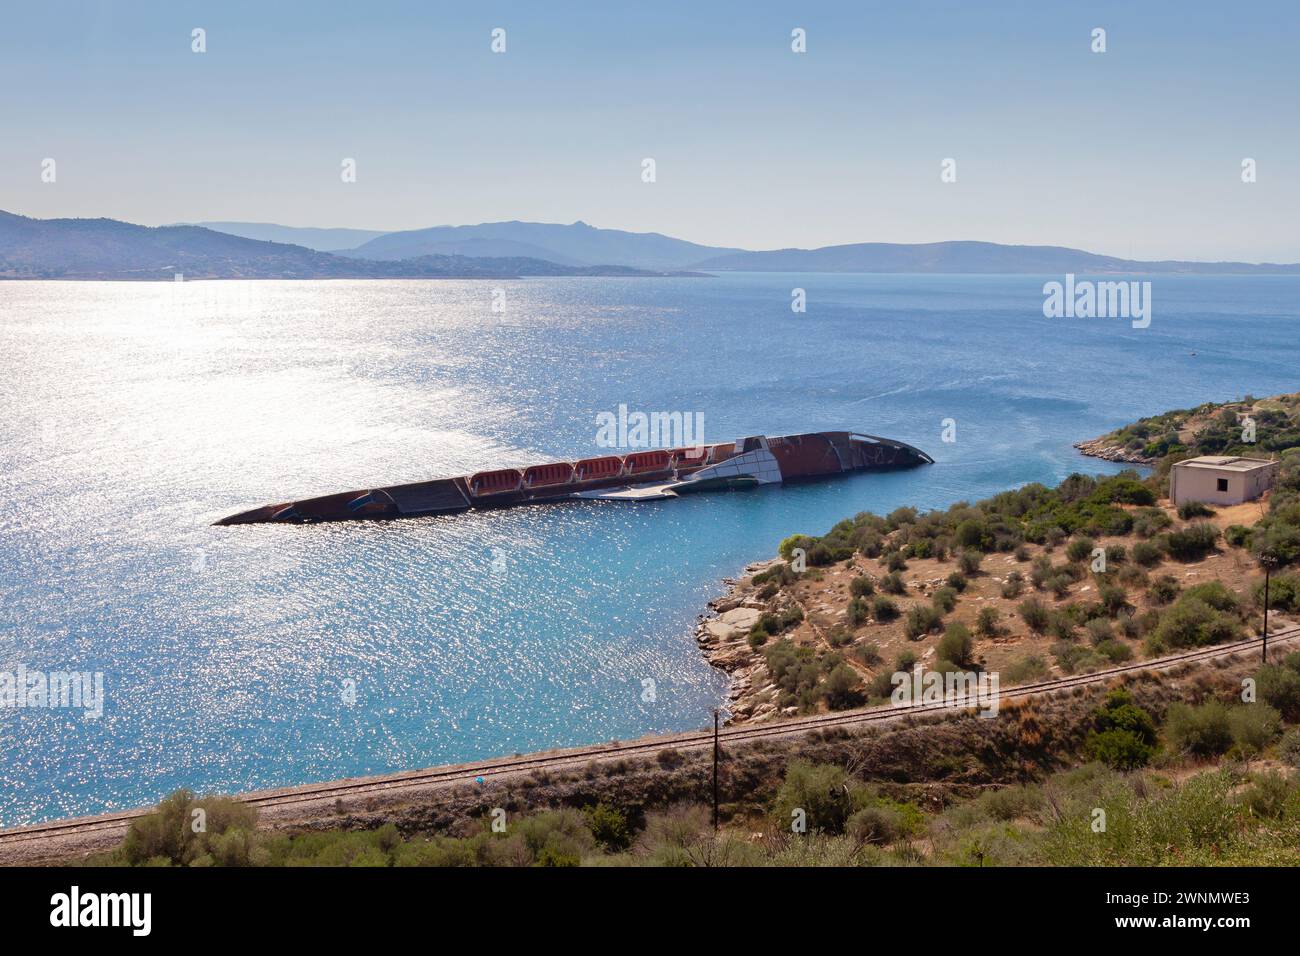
(598, 469)
(500, 482)
(643, 463)
(546, 476)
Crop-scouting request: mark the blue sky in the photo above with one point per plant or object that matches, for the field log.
(1134, 152)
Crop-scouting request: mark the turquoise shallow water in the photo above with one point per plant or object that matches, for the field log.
(135, 414)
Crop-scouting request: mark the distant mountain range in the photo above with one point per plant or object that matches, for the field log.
(961, 257)
(110, 249)
(575, 244)
(582, 244)
(322, 240)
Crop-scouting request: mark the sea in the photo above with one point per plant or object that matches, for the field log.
(133, 415)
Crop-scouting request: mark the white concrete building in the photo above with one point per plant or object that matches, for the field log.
(1221, 480)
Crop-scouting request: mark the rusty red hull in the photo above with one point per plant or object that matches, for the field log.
(758, 459)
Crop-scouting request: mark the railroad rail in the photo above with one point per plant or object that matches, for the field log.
(104, 826)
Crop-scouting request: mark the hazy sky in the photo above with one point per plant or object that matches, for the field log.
(1134, 152)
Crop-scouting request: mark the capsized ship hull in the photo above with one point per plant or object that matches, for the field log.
(640, 475)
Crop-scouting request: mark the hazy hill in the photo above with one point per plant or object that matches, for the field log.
(577, 243)
(110, 249)
(960, 257)
(485, 246)
(322, 240)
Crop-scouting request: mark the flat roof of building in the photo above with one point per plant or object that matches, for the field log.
(1225, 463)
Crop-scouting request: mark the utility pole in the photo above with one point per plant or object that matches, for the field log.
(715, 770)
(1268, 561)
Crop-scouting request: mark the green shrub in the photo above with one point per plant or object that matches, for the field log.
(1215, 594)
(1115, 652)
(1040, 571)
(1193, 509)
(1253, 727)
(1238, 535)
(1288, 749)
(957, 581)
(972, 534)
(1025, 670)
(1193, 542)
(166, 835)
(609, 827)
(1205, 731)
(1164, 589)
(787, 547)
(1080, 549)
(1269, 796)
(1149, 522)
(920, 621)
(1113, 599)
(842, 688)
(857, 611)
(839, 636)
(1190, 622)
(1099, 630)
(1119, 749)
(1076, 659)
(986, 622)
(1013, 586)
(795, 670)
(1133, 576)
(1061, 626)
(900, 516)
(944, 599)
(883, 609)
(877, 824)
(1127, 624)
(1147, 554)
(1279, 687)
(1059, 585)
(821, 791)
(968, 562)
(1283, 593)
(1035, 614)
(862, 586)
(956, 645)
(894, 561)
(868, 654)
(893, 583)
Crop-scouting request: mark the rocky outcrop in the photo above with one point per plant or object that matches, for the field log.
(1108, 450)
(723, 637)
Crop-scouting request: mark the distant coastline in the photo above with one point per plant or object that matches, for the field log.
(110, 249)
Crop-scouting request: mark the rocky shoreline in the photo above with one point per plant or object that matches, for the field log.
(723, 638)
(1105, 449)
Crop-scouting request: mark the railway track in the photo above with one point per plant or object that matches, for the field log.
(103, 827)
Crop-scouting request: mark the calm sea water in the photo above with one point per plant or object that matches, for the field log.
(133, 415)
